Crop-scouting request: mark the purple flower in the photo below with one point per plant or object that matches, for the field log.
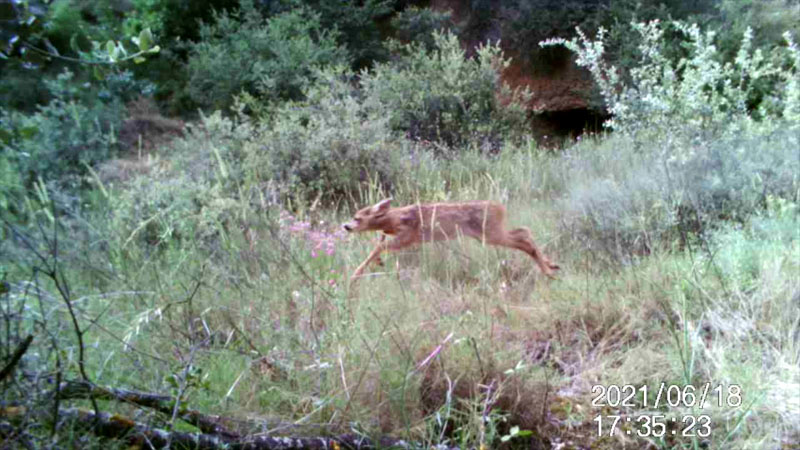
(319, 240)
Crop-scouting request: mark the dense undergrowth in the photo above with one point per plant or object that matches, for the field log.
(215, 272)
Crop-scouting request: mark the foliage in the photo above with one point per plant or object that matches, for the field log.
(768, 19)
(40, 32)
(352, 25)
(152, 14)
(37, 23)
(65, 22)
(526, 22)
(190, 279)
(168, 207)
(618, 18)
(341, 137)
(19, 90)
(42, 39)
(357, 24)
(173, 21)
(60, 139)
(275, 330)
(442, 96)
(627, 196)
(717, 157)
(330, 144)
(240, 52)
(415, 24)
(700, 90)
(175, 24)
(540, 19)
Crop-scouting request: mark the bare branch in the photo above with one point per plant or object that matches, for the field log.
(21, 349)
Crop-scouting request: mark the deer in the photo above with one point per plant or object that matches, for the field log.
(433, 222)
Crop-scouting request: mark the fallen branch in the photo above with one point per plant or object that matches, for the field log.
(161, 403)
(117, 427)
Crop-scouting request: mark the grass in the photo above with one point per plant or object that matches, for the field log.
(280, 337)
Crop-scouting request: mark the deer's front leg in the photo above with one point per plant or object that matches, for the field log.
(395, 244)
(375, 254)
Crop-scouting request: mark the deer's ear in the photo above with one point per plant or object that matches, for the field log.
(382, 206)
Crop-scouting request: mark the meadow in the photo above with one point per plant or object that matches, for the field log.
(212, 269)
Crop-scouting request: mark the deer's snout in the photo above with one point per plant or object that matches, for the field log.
(347, 227)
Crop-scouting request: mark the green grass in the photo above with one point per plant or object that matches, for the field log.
(280, 336)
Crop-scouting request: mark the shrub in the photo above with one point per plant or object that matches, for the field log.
(67, 21)
(350, 132)
(147, 14)
(19, 90)
(31, 30)
(61, 138)
(769, 19)
(621, 199)
(274, 58)
(621, 14)
(700, 90)
(443, 96)
(695, 152)
(415, 24)
(357, 25)
(526, 22)
(328, 144)
(345, 134)
(194, 197)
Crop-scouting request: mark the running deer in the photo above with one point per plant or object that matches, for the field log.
(414, 224)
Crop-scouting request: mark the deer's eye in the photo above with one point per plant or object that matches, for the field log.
(357, 219)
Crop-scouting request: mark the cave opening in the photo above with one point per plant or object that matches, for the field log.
(554, 128)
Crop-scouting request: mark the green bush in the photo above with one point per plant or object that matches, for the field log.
(620, 15)
(622, 198)
(744, 251)
(769, 19)
(192, 198)
(690, 150)
(699, 92)
(526, 22)
(174, 24)
(345, 135)
(30, 31)
(275, 58)
(63, 137)
(329, 144)
(150, 14)
(19, 90)
(357, 24)
(443, 96)
(306, 42)
(415, 24)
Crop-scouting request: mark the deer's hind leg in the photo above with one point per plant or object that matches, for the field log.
(521, 239)
(378, 259)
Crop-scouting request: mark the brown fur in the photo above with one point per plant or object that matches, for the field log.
(414, 224)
